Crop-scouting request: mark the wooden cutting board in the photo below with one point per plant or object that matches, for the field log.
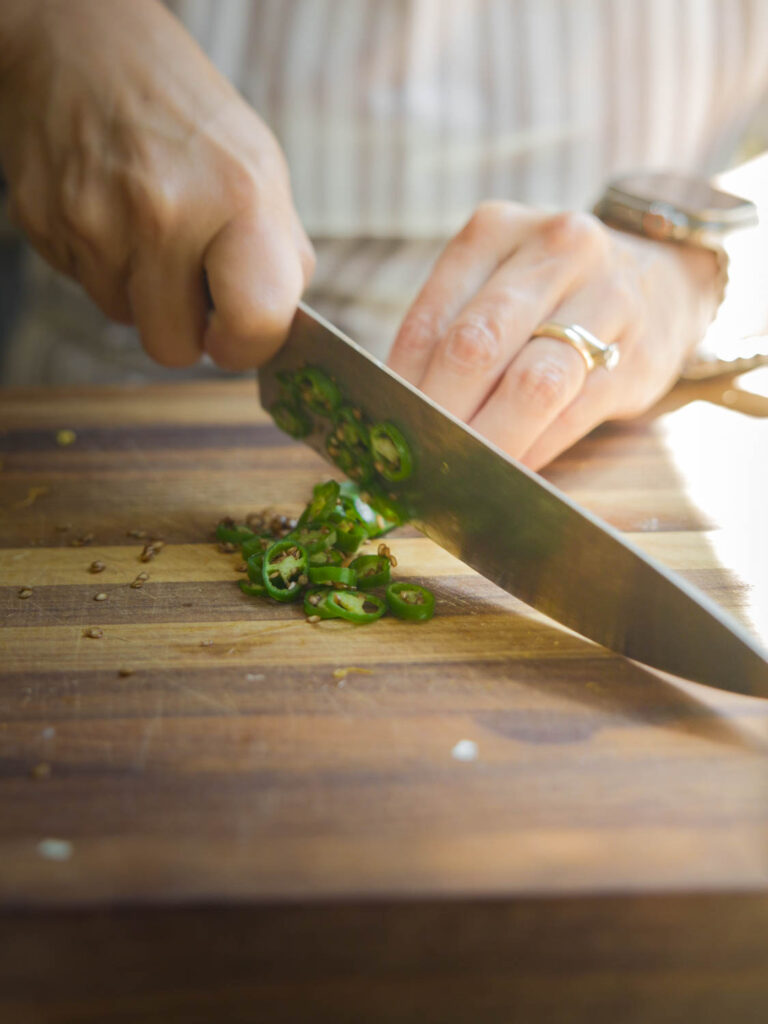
(215, 811)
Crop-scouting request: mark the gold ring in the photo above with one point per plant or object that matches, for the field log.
(591, 349)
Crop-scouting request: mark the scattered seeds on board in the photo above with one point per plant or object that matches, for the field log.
(41, 771)
(383, 551)
(83, 541)
(151, 549)
(65, 437)
(100, 597)
(32, 495)
(464, 750)
(25, 592)
(55, 849)
(138, 583)
(97, 567)
(93, 633)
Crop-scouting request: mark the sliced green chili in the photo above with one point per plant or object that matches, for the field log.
(317, 391)
(228, 532)
(327, 556)
(392, 512)
(254, 564)
(349, 534)
(284, 570)
(336, 575)
(252, 589)
(254, 545)
(356, 606)
(358, 465)
(350, 428)
(391, 455)
(314, 537)
(316, 603)
(372, 571)
(324, 500)
(410, 601)
(290, 419)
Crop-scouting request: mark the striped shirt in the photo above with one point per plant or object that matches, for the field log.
(398, 116)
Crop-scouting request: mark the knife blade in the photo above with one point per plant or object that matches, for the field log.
(521, 532)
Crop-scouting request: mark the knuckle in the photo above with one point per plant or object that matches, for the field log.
(475, 342)
(488, 217)
(155, 208)
(418, 333)
(82, 211)
(574, 232)
(544, 385)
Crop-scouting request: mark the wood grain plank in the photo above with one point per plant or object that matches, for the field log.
(658, 959)
(254, 771)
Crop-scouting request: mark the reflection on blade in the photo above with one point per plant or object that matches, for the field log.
(519, 531)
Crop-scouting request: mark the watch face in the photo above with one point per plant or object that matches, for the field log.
(694, 196)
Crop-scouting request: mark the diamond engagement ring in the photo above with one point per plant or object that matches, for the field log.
(591, 349)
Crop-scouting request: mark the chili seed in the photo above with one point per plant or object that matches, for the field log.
(137, 534)
(242, 567)
(150, 550)
(97, 567)
(313, 618)
(100, 597)
(81, 542)
(65, 437)
(25, 592)
(93, 633)
(41, 771)
(227, 547)
(125, 672)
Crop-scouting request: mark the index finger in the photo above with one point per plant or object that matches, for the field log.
(256, 268)
(466, 263)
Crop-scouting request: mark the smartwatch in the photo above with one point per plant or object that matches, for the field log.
(674, 208)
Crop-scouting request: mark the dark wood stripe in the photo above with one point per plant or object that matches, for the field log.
(224, 602)
(150, 438)
(477, 686)
(575, 960)
(206, 602)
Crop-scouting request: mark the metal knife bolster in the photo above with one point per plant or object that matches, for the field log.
(519, 531)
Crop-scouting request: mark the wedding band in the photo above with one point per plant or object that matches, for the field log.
(591, 349)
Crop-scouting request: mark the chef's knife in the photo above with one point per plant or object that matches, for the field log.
(516, 529)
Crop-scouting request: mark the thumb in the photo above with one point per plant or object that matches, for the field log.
(256, 269)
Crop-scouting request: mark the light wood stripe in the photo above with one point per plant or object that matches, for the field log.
(533, 860)
(293, 640)
(193, 563)
(207, 402)
(416, 556)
